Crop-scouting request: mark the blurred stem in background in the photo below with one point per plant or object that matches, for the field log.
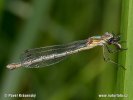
(111, 14)
(25, 40)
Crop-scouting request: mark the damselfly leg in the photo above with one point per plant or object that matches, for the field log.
(107, 58)
(110, 50)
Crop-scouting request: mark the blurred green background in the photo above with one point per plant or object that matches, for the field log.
(28, 24)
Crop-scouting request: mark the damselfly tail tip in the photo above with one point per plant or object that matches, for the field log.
(13, 66)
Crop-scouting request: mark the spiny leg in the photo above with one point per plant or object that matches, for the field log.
(107, 59)
(114, 51)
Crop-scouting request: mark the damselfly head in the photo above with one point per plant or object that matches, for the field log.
(115, 41)
(112, 39)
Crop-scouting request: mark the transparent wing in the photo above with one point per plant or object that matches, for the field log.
(49, 55)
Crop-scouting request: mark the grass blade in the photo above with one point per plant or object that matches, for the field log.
(124, 77)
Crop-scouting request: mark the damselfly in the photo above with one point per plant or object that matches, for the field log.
(46, 56)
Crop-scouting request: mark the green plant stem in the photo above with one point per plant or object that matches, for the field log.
(124, 77)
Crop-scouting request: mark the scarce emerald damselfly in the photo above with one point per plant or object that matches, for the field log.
(46, 56)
